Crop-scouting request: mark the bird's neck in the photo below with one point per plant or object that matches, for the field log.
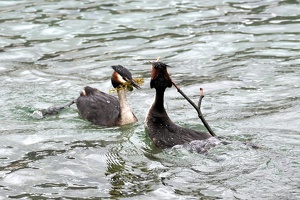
(159, 99)
(126, 116)
(157, 109)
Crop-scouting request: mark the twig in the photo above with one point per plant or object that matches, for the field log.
(156, 60)
(201, 96)
(197, 108)
(201, 115)
(53, 109)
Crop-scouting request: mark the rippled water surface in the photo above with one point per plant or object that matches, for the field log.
(245, 54)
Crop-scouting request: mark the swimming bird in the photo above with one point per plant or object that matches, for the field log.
(104, 109)
(161, 129)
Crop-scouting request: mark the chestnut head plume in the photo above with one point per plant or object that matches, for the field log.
(122, 75)
(159, 76)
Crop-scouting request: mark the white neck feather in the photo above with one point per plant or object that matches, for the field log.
(126, 115)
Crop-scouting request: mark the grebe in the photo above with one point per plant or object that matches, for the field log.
(106, 110)
(161, 129)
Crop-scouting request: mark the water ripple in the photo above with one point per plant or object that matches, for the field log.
(243, 53)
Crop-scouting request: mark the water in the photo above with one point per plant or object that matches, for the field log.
(245, 54)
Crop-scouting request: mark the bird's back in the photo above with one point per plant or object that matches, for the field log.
(165, 133)
(98, 107)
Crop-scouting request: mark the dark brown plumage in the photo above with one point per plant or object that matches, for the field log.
(104, 109)
(161, 129)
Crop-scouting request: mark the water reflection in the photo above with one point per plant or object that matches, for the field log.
(244, 54)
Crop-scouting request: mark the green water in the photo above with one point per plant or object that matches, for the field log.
(245, 54)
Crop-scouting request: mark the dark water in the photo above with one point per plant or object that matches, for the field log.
(245, 54)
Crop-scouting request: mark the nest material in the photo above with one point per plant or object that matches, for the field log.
(127, 85)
